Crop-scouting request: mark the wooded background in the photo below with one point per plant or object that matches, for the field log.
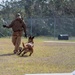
(42, 17)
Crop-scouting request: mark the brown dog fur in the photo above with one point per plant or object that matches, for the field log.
(28, 47)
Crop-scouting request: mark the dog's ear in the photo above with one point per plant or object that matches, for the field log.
(33, 37)
(29, 37)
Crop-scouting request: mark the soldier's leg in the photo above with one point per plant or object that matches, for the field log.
(14, 42)
(18, 42)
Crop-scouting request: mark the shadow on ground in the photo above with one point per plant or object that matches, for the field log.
(9, 54)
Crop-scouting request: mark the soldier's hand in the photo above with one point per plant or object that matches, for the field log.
(4, 26)
(25, 35)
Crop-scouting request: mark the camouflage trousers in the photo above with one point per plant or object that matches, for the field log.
(16, 40)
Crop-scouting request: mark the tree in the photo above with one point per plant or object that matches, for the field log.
(47, 15)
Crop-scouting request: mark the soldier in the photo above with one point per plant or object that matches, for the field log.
(18, 26)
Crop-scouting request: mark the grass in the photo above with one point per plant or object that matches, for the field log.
(47, 58)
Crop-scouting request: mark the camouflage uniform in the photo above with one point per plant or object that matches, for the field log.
(18, 26)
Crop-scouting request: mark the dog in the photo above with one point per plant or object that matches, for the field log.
(28, 47)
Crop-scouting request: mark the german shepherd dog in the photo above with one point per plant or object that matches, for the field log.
(28, 47)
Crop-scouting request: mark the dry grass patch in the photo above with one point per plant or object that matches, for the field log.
(47, 58)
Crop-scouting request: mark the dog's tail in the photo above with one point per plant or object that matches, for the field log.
(23, 44)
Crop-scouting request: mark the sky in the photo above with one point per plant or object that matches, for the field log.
(0, 1)
(8, 0)
(4, 0)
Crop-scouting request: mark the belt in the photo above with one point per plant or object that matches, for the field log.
(17, 30)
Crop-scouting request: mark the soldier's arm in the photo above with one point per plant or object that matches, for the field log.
(24, 27)
(10, 25)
